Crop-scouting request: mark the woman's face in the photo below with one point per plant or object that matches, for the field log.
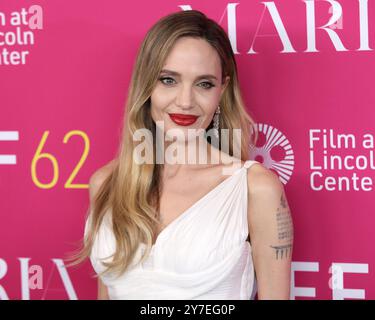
(189, 87)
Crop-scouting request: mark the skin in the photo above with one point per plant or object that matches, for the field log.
(269, 219)
(271, 233)
(183, 90)
(94, 184)
(185, 93)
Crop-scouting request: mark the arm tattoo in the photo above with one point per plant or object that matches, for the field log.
(281, 249)
(285, 230)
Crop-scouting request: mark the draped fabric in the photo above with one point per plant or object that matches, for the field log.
(202, 254)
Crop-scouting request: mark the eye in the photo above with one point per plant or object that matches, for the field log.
(209, 85)
(206, 84)
(165, 78)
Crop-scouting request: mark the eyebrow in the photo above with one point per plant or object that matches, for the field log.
(203, 76)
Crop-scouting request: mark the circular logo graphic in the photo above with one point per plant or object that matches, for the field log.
(274, 151)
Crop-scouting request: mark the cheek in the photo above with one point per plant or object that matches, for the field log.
(207, 120)
(158, 104)
(210, 110)
(161, 96)
(209, 101)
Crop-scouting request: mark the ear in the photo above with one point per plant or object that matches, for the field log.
(224, 85)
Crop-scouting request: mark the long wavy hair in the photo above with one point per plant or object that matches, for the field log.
(132, 191)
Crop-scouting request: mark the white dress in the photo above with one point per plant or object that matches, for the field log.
(202, 254)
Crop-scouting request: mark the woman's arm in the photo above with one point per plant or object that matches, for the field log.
(271, 233)
(95, 182)
(102, 291)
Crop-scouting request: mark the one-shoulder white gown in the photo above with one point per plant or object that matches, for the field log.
(202, 254)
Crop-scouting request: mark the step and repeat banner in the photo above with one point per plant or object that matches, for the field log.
(307, 72)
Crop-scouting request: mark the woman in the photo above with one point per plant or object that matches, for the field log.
(180, 230)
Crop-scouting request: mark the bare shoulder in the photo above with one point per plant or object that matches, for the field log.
(98, 177)
(267, 200)
(263, 180)
(101, 174)
(270, 226)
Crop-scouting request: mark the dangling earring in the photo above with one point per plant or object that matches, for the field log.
(216, 122)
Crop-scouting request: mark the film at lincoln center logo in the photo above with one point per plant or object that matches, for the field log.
(274, 151)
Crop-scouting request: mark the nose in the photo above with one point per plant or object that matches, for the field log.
(184, 98)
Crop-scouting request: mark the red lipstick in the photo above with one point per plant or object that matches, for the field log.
(183, 119)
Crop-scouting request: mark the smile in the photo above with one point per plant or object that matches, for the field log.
(183, 119)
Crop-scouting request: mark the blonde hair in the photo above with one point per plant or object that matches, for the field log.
(131, 190)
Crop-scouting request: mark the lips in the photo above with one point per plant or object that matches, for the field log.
(183, 119)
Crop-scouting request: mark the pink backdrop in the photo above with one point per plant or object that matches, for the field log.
(302, 80)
